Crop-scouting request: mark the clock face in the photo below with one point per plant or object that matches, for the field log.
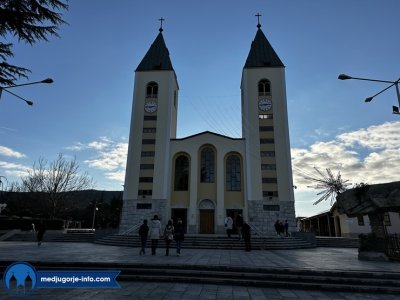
(265, 104)
(150, 106)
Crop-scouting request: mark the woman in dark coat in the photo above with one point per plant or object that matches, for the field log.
(179, 236)
(169, 232)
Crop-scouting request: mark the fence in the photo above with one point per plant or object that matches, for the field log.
(392, 246)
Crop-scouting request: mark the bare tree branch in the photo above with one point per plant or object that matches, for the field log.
(55, 181)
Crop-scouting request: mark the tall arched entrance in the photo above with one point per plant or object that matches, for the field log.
(207, 209)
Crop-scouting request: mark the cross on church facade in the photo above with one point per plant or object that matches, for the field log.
(161, 20)
(258, 15)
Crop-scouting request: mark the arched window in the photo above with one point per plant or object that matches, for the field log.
(233, 173)
(207, 165)
(264, 87)
(181, 182)
(152, 90)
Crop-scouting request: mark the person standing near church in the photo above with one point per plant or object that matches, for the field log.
(179, 236)
(228, 225)
(286, 227)
(239, 225)
(143, 233)
(155, 233)
(246, 231)
(168, 236)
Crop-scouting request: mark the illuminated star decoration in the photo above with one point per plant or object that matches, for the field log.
(330, 185)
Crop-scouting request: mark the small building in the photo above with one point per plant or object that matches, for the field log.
(331, 223)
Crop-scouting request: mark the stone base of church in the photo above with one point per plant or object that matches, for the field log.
(134, 211)
(263, 215)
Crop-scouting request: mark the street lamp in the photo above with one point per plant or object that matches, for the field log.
(369, 99)
(94, 214)
(4, 88)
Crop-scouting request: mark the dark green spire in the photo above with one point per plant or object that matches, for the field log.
(261, 53)
(157, 58)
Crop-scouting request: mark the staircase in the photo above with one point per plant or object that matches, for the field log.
(53, 236)
(288, 278)
(213, 242)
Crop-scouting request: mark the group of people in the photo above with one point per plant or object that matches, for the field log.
(243, 229)
(282, 229)
(154, 232)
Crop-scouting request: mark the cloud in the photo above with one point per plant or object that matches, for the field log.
(370, 155)
(12, 169)
(117, 176)
(111, 158)
(384, 136)
(101, 144)
(5, 151)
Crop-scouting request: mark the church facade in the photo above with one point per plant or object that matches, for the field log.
(205, 177)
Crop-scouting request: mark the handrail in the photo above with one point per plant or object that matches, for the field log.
(131, 229)
(257, 230)
(260, 233)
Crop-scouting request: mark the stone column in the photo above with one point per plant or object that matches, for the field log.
(376, 222)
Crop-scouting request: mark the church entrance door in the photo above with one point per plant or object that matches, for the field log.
(206, 221)
(207, 209)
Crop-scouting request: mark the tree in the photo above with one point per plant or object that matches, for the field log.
(53, 184)
(31, 21)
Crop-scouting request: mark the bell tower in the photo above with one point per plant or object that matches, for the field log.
(153, 124)
(266, 132)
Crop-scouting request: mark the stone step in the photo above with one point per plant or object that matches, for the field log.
(53, 237)
(208, 242)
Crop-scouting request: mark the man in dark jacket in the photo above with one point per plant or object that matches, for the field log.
(239, 225)
(143, 233)
(246, 232)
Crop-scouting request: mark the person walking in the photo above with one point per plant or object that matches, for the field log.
(143, 233)
(277, 229)
(168, 236)
(246, 232)
(40, 229)
(286, 226)
(239, 225)
(228, 225)
(179, 236)
(281, 229)
(155, 233)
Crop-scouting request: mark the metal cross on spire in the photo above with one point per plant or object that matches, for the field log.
(258, 15)
(161, 20)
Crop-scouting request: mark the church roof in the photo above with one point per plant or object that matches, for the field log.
(262, 54)
(157, 57)
(206, 132)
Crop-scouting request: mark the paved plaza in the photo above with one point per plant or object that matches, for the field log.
(315, 258)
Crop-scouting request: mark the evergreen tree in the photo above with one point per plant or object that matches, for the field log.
(30, 21)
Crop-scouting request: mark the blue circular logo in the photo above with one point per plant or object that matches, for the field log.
(20, 279)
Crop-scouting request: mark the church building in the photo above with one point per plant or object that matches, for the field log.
(205, 177)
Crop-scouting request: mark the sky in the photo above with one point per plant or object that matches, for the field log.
(85, 113)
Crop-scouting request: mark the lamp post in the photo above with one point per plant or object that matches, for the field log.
(369, 99)
(94, 214)
(5, 89)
